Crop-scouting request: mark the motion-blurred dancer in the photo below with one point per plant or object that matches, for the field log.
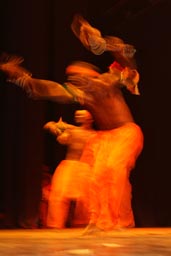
(119, 141)
(70, 181)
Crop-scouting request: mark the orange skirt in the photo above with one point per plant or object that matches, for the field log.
(70, 182)
(113, 155)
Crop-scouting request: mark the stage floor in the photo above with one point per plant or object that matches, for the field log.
(70, 242)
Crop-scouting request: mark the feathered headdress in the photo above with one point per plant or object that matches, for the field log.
(128, 77)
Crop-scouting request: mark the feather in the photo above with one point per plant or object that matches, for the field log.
(10, 65)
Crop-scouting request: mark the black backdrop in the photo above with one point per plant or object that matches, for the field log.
(40, 32)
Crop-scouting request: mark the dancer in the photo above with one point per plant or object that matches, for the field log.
(119, 141)
(70, 181)
(120, 138)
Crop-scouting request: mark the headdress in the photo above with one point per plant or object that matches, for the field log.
(128, 77)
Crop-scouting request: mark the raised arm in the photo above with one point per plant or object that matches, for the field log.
(95, 42)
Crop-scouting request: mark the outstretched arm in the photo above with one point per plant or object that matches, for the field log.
(35, 88)
(44, 89)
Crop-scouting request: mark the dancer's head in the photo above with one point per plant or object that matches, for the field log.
(82, 68)
(83, 116)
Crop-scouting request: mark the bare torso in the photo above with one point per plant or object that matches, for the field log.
(110, 112)
(105, 101)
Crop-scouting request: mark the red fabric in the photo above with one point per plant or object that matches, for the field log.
(116, 65)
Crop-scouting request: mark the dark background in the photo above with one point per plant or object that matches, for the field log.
(39, 31)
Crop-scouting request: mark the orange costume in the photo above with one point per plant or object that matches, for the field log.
(119, 141)
(115, 153)
(70, 181)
